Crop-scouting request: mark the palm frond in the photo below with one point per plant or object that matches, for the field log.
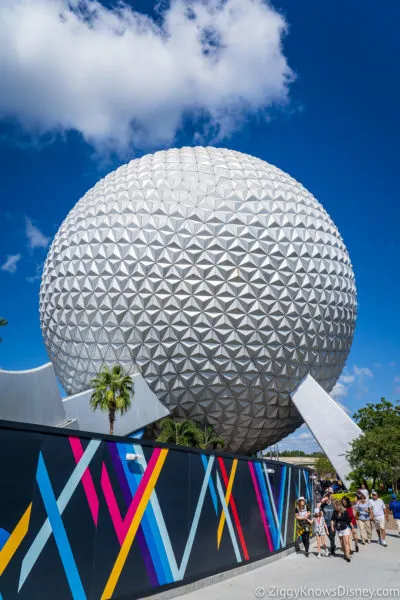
(112, 391)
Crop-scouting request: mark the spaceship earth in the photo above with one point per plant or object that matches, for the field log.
(214, 274)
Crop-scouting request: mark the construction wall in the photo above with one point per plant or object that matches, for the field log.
(79, 520)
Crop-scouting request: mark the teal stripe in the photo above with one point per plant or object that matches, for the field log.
(150, 530)
(160, 521)
(288, 496)
(40, 540)
(272, 502)
(267, 504)
(60, 536)
(281, 497)
(211, 485)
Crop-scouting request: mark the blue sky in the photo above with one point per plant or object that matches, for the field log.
(311, 87)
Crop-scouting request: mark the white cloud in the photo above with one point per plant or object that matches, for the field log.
(120, 77)
(10, 266)
(36, 239)
(339, 391)
(304, 436)
(353, 380)
(362, 371)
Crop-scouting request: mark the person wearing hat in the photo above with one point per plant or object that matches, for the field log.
(394, 508)
(304, 522)
(379, 514)
(328, 508)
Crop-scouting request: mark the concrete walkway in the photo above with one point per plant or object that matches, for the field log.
(295, 577)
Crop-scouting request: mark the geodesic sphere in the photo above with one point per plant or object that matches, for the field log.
(216, 275)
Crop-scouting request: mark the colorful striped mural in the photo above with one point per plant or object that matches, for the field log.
(78, 520)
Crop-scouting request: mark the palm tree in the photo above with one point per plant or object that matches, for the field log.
(2, 323)
(210, 438)
(181, 433)
(112, 392)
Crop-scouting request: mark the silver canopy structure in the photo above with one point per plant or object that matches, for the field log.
(333, 429)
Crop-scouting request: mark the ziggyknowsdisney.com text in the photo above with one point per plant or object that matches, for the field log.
(340, 591)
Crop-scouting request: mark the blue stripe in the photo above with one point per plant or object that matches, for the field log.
(196, 519)
(298, 488)
(267, 505)
(150, 529)
(211, 485)
(161, 527)
(60, 536)
(281, 497)
(309, 496)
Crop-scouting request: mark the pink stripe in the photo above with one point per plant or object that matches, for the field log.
(141, 487)
(87, 480)
(260, 506)
(112, 505)
(121, 526)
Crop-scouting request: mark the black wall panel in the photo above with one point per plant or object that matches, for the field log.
(79, 520)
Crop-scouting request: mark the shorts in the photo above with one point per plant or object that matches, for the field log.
(380, 523)
(346, 531)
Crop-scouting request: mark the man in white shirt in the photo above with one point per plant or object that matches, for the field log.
(379, 514)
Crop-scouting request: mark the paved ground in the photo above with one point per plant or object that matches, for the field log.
(372, 567)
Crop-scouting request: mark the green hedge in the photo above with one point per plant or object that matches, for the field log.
(353, 498)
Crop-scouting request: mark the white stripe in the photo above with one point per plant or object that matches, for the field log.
(287, 504)
(40, 540)
(228, 520)
(272, 502)
(160, 520)
(196, 518)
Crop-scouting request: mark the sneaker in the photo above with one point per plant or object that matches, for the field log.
(348, 560)
(326, 552)
(306, 555)
(384, 543)
(319, 555)
(357, 548)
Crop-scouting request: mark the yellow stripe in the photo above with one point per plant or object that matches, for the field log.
(11, 545)
(227, 498)
(130, 536)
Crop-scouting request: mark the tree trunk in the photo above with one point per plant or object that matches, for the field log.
(111, 417)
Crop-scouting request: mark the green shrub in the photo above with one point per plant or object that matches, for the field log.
(340, 495)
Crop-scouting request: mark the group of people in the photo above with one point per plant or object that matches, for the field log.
(351, 522)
